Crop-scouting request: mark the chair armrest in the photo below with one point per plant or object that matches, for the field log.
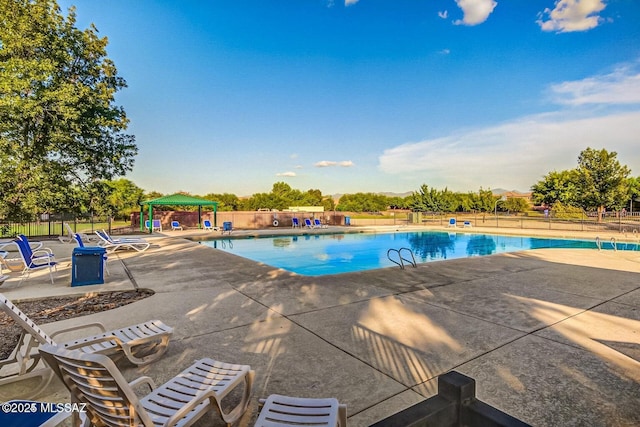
(189, 406)
(94, 341)
(42, 253)
(80, 327)
(143, 380)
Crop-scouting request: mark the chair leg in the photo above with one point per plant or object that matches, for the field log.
(235, 414)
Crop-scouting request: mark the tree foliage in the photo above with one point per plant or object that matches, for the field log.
(59, 125)
(557, 187)
(602, 180)
(362, 202)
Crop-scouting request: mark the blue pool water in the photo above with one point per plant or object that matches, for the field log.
(317, 255)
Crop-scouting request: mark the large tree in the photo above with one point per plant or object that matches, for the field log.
(59, 125)
(602, 180)
(557, 187)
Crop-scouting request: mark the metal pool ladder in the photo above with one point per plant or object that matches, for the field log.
(401, 260)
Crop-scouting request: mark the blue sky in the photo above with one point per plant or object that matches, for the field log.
(371, 95)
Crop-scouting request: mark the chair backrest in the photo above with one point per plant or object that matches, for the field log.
(295, 221)
(79, 240)
(23, 321)
(207, 223)
(95, 380)
(104, 236)
(316, 221)
(67, 227)
(307, 222)
(175, 224)
(452, 221)
(156, 223)
(25, 250)
(227, 226)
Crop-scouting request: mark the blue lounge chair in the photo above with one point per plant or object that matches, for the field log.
(318, 224)
(157, 225)
(108, 243)
(175, 225)
(295, 222)
(35, 260)
(467, 224)
(307, 223)
(452, 222)
(206, 224)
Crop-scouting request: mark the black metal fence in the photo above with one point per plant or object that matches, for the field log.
(52, 225)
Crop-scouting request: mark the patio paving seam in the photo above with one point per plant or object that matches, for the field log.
(128, 272)
(535, 331)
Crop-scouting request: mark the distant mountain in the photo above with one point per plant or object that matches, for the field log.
(384, 193)
(501, 191)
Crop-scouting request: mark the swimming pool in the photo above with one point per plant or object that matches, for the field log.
(321, 254)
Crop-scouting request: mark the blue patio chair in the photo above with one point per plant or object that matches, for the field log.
(227, 227)
(35, 260)
(452, 222)
(147, 224)
(175, 225)
(295, 222)
(307, 223)
(157, 225)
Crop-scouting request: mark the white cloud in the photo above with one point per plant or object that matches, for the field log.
(324, 164)
(572, 15)
(289, 174)
(475, 11)
(350, 2)
(328, 163)
(518, 153)
(443, 14)
(622, 86)
(445, 52)
(515, 154)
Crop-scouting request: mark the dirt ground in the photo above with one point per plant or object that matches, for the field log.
(52, 309)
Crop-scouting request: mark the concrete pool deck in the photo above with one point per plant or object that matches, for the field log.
(551, 337)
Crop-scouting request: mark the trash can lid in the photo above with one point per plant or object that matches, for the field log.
(89, 250)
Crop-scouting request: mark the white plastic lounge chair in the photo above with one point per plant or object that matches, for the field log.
(284, 411)
(318, 224)
(452, 222)
(308, 223)
(109, 243)
(175, 225)
(70, 237)
(3, 277)
(295, 222)
(157, 225)
(35, 260)
(206, 224)
(467, 224)
(141, 344)
(95, 380)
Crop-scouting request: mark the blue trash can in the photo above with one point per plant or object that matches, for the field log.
(87, 266)
(347, 220)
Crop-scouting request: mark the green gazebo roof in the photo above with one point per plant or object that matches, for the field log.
(180, 199)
